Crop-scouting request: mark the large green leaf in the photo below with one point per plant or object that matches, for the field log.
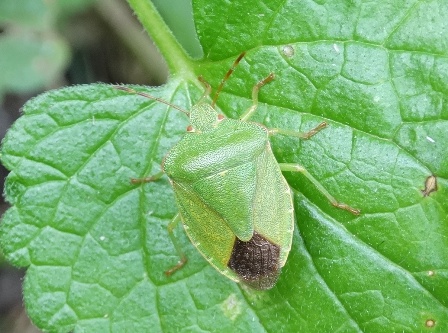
(97, 246)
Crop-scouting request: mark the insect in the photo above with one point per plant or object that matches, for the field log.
(234, 203)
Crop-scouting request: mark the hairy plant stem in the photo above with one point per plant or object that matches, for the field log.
(179, 63)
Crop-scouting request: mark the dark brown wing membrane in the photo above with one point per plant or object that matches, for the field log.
(256, 262)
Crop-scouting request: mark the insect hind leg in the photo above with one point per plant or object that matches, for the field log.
(183, 258)
(173, 223)
(298, 168)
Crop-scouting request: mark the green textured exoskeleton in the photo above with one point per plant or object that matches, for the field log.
(233, 200)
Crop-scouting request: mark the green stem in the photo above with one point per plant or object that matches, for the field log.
(177, 59)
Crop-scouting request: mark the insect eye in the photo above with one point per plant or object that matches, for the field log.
(220, 117)
(190, 128)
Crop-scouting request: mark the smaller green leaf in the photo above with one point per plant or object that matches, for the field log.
(29, 13)
(29, 61)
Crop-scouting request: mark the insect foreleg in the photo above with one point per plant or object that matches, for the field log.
(251, 110)
(207, 90)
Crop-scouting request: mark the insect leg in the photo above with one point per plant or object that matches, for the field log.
(152, 178)
(298, 168)
(251, 110)
(183, 259)
(207, 91)
(301, 135)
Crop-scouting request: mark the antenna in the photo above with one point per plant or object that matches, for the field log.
(132, 91)
(223, 81)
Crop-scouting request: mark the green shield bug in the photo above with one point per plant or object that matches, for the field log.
(234, 203)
